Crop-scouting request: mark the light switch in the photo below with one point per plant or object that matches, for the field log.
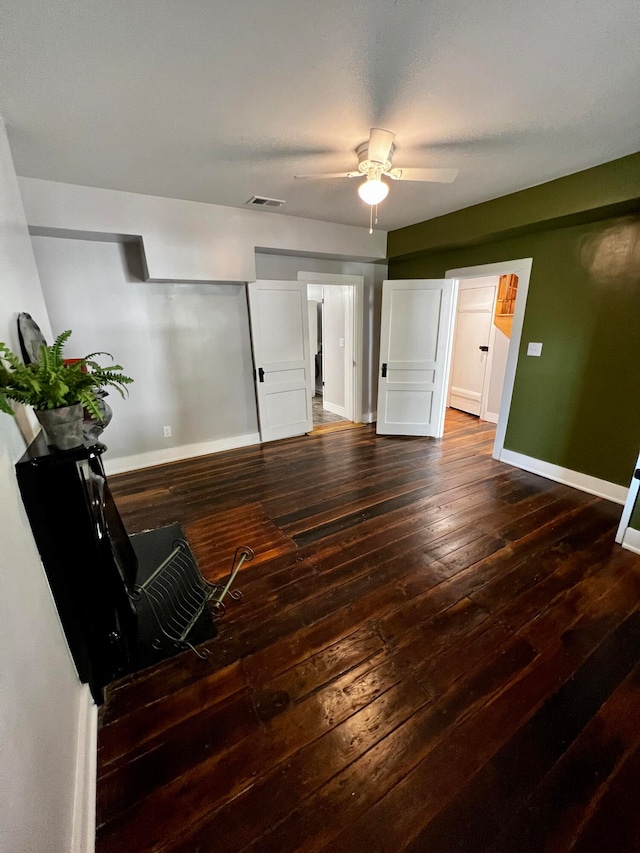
(534, 349)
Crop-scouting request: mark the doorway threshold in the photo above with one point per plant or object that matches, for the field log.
(338, 426)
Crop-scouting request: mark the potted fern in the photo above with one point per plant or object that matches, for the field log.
(57, 390)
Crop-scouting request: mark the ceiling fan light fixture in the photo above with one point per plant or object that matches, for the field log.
(373, 190)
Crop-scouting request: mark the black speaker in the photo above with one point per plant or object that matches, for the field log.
(88, 559)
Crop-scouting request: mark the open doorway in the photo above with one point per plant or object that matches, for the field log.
(335, 334)
(482, 330)
(416, 337)
(331, 350)
(499, 292)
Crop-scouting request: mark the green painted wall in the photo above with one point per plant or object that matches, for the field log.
(611, 189)
(578, 405)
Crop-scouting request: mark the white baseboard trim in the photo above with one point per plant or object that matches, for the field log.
(631, 540)
(83, 830)
(584, 482)
(335, 410)
(175, 454)
(369, 417)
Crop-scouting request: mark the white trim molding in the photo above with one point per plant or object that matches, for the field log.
(176, 454)
(83, 830)
(369, 417)
(336, 410)
(631, 540)
(583, 482)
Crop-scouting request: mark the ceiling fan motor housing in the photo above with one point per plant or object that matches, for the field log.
(364, 164)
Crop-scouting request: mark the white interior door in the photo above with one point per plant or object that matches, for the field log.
(280, 335)
(471, 345)
(415, 348)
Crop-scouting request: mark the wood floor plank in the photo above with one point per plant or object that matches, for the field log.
(563, 807)
(474, 817)
(217, 728)
(359, 786)
(439, 778)
(258, 808)
(616, 822)
(129, 731)
(227, 772)
(434, 651)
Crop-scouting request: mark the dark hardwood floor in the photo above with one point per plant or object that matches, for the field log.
(435, 652)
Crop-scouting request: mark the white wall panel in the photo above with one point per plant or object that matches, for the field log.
(187, 240)
(335, 333)
(40, 692)
(187, 346)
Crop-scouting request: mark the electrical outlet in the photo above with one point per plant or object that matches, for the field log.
(534, 349)
(166, 431)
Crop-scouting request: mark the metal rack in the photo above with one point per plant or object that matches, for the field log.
(178, 594)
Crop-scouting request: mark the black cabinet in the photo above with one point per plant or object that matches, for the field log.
(87, 556)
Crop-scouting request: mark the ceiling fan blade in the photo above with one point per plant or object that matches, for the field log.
(330, 175)
(437, 176)
(380, 142)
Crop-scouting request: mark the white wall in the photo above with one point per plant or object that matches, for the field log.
(40, 695)
(191, 241)
(334, 356)
(186, 345)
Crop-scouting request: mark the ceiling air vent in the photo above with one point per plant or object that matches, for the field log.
(261, 201)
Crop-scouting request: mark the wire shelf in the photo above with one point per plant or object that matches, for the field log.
(178, 594)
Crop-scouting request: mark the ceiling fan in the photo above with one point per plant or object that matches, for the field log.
(374, 163)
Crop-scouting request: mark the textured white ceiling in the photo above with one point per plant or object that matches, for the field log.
(218, 100)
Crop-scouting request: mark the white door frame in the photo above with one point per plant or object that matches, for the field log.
(357, 283)
(632, 496)
(522, 268)
(486, 386)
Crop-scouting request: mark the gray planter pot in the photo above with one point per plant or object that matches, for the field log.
(63, 426)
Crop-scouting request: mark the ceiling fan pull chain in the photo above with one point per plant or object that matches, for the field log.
(371, 220)
(376, 214)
